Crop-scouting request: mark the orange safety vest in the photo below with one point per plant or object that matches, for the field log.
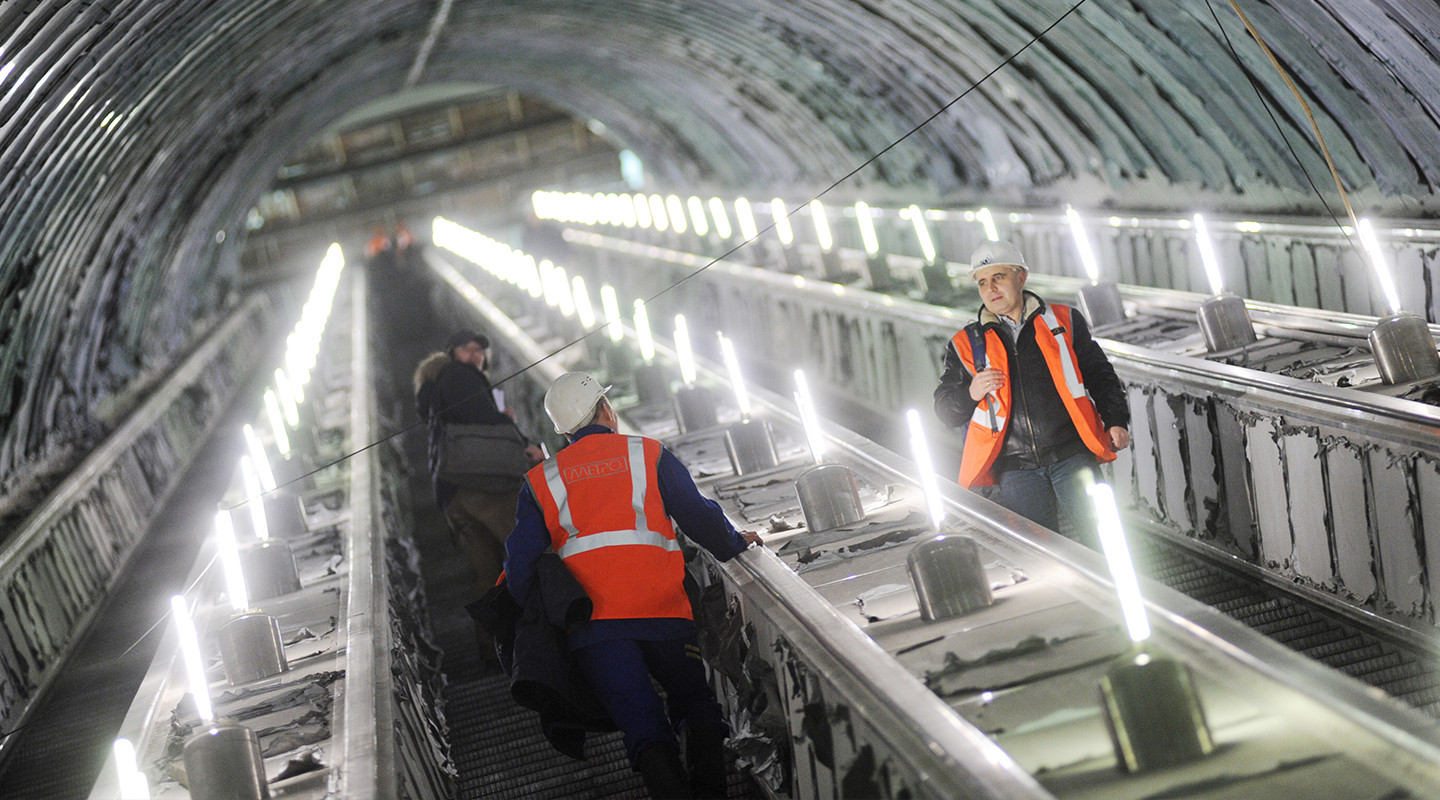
(982, 440)
(601, 501)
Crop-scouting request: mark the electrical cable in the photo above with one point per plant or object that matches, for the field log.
(761, 232)
(1280, 129)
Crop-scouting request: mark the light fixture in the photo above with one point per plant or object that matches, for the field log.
(253, 499)
(276, 418)
(676, 213)
(822, 226)
(1379, 263)
(782, 221)
(697, 216)
(230, 561)
(658, 217)
(920, 448)
(988, 223)
(868, 239)
(128, 778)
(1207, 255)
(722, 220)
(683, 351)
(194, 664)
(745, 217)
(611, 305)
(287, 398)
(583, 308)
(808, 419)
(1082, 242)
(260, 461)
(922, 232)
(737, 381)
(642, 211)
(642, 333)
(1117, 556)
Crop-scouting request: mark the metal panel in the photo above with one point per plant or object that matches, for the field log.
(1348, 503)
(1305, 486)
(1396, 510)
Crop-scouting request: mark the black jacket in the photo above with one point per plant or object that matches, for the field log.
(531, 644)
(459, 393)
(1040, 431)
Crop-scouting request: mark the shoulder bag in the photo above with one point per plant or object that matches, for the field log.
(485, 456)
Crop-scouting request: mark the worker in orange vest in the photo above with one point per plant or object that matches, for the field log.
(609, 505)
(1038, 400)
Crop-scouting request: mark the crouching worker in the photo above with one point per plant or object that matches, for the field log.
(609, 506)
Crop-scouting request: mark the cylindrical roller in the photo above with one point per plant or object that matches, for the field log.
(695, 409)
(1101, 304)
(750, 446)
(284, 514)
(879, 273)
(1153, 713)
(652, 383)
(269, 570)
(1225, 323)
(251, 649)
(1403, 348)
(829, 497)
(948, 577)
(223, 762)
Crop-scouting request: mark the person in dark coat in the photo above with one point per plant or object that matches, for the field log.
(1038, 400)
(609, 506)
(451, 387)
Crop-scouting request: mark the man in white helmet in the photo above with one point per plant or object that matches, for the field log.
(1038, 399)
(609, 506)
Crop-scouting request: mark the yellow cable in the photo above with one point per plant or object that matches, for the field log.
(1306, 106)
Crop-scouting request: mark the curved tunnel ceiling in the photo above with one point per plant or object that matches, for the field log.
(134, 134)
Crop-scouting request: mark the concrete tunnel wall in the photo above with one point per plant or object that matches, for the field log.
(135, 134)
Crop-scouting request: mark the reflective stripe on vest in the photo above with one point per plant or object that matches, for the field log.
(640, 535)
(1067, 360)
(982, 442)
(600, 498)
(594, 541)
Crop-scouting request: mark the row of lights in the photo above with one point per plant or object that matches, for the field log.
(662, 213)
(282, 412)
(1111, 532)
(1107, 512)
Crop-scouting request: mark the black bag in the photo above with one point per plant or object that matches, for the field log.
(488, 457)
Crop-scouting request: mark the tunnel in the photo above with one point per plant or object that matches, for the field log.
(163, 163)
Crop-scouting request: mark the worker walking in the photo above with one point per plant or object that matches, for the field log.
(609, 505)
(1040, 403)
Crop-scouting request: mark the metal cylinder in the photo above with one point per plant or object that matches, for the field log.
(750, 446)
(652, 383)
(1153, 713)
(284, 514)
(948, 577)
(695, 409)
(290, 471)
(939, 290)
(1225, 323)
(269, 570)
(1404, 350)
(250, 648)
(1101, 304)
(223, 762)
(829, 497)
(879, 273)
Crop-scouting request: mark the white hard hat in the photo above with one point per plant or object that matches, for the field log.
(571, 399)
(996, 253)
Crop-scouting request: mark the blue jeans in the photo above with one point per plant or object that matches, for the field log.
(1044, 493)
(619, 671)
